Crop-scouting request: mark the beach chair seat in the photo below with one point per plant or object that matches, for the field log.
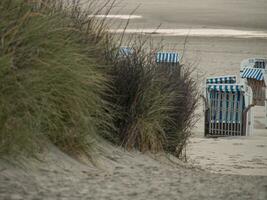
(228, 109)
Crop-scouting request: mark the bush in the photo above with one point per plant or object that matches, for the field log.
(62, 78)
(184, 100)
(51, 84)
(141, 107)
(156, 108)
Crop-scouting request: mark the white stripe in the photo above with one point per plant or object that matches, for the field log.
(118, 16)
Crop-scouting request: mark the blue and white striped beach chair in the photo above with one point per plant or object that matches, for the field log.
(265, 80)
(167, 57)
(256, 79)
(125, 51)
(168, 61)
(227, 108)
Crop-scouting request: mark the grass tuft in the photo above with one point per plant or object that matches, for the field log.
(51, 84)
(62, 78)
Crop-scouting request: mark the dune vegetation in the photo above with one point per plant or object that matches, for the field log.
(62, 79)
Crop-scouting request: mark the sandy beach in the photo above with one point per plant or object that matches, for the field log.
(218, 168)
(121, 175)
(211, 56)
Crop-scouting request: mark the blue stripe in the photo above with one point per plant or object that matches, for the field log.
(221, 109)
(237, 104)
(227, 104)
(232, 108)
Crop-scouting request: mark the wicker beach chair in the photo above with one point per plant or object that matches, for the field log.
(227, 108)
(256, 78)
(168, 61)
(125, 51)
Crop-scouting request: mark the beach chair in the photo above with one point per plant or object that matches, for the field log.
(168, 61)
(125, 51)
(228, 108)
(265, 79)
(256, 78)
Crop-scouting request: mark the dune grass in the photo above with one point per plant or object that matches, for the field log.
(155, 108)
(51, 83)
(62, 78)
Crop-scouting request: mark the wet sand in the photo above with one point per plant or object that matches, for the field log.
(245, 14)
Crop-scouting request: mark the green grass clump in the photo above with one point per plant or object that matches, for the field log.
(49, 85)
(155, 107)
(184, 96)
(62, 78)
(141, 105)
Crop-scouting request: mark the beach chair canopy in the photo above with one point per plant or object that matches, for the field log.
(253, 73)
(230, 88)
(167, 57)
(221, 79)
(125, 51)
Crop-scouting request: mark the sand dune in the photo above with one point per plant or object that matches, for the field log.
(122, 175)
(225, 168)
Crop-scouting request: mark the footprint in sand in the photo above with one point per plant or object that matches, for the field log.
(261, 145)
(238, 144)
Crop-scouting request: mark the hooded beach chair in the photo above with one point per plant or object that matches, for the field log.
(227, 108)
(168, 61)
(256, 78)
(125, 51)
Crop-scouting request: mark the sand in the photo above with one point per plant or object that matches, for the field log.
(121, 175)
(237, 14)
(214, 47)
(222, 168)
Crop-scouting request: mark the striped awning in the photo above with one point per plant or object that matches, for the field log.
(253, 73)
(221, 79)
(126, 51)
(167, 57)
(226, 87)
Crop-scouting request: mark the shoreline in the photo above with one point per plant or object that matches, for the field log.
(220, 33)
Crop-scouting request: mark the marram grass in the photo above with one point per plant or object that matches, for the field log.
(61, 79)
(49, 86)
